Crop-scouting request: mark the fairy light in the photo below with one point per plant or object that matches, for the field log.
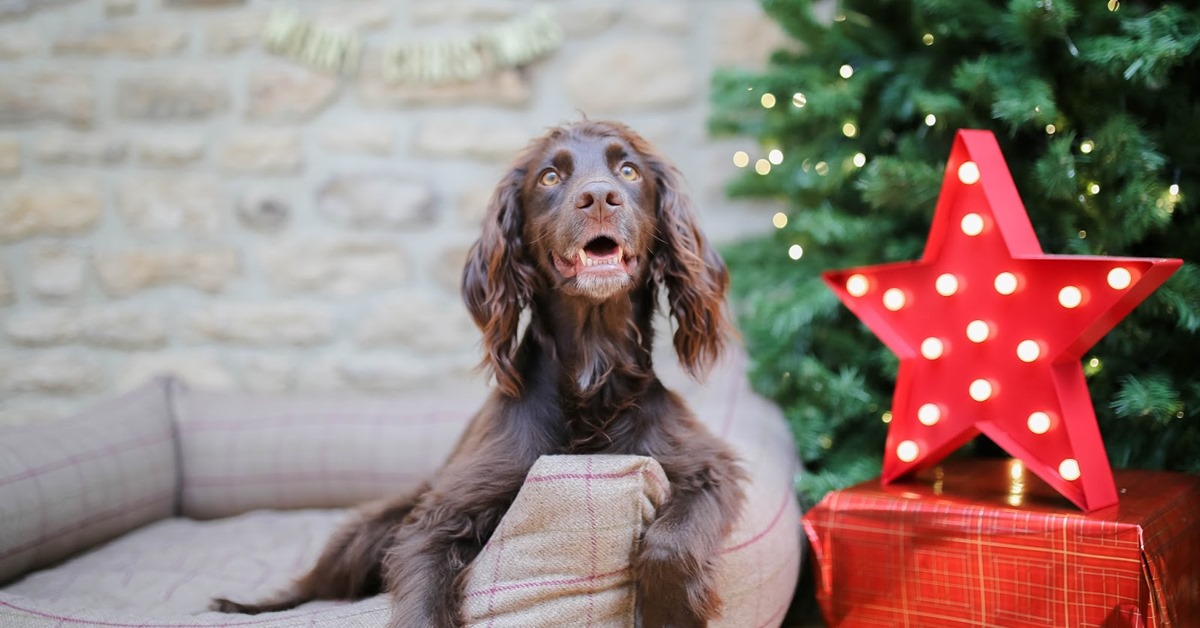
(1082, 234)
(857, 285)
(887, 417)
(1029, 350)
(1051, 129)
(1094, 363)
(741, 159)
(779, 220)
(1070, 297)
(1006, 283)
(846, 71)
(762, 166)
(927, 39)
(894, 299)
(980, 390)
(1174, 189)
(972, 224)
(1038, 422)
(775, 156)
(929, 414)
(859, 160)
(1113, 5)
(907, 451)
(1086, 146)
(1094, 188)
(799, 100)
(822, 168)
(932, 348)
(978, 331)
(968, 172)
(946, 284)
(795, 251)
(1069, 469)
(767, 100)
(1119, 278)
(849, 130)
(930, 120)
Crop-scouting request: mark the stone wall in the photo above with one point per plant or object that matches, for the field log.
(174, 198)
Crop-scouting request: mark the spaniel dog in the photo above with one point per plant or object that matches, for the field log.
(581, 233)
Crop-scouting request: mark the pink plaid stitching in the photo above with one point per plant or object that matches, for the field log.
(113, 513)
(112, 448)
(762, 533)
(547, 583)
(597, 476)
(595, 550)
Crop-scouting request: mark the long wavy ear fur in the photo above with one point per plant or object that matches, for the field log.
(498, 282)
(693, 273)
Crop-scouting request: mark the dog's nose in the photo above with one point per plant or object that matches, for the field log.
(599, 198)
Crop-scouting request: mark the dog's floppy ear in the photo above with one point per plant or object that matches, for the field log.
(693, 273)
(497, 281)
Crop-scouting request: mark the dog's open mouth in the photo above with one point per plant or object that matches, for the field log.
(600, 256)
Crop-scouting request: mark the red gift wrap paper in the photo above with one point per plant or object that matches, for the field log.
(986, 543)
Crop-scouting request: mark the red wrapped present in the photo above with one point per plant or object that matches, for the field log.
(984, 543)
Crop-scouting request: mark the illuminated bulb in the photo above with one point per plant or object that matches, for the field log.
(930, 120)
(775, 156)
(927, 39)
(849, 130)
(779, 220)
(972, 224)
(1029, 350)
(907, 451)
(1070, 297)
(1094, 188)
(1174, 189)
(887, 417)
(799, 100)
(968, 172)
(1094, 363)
(1006, 283)
(857, 285)
(893, 299)
(1119, 278)
(1086, 146)
(1050, 129)
(1069, 469)
(946, 284)
(932, 348)
(978, 331)
(980, 390)
(860, 160)
(741, 159)
(822, 168)
(767, 100)
(762, 166)
(846, 71)
(1038, 423)
(795, 251)
(1017, 470)
(929, 414)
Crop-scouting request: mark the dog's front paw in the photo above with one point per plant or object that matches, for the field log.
(675, 586)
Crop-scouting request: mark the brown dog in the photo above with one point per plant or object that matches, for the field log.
(582, 232)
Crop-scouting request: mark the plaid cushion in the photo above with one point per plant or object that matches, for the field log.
(67, 485)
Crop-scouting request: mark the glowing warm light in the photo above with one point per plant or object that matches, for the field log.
(887, 417)
(846, 71)
(1174, 189)
(1094, 188)
(929, 414)
(822, 168)
(795, 251)
(894, 299)
(1086, 146)
(1050, 129)
(1069, 469)
(927, 39)
(1029, 350)
(779, 220)
(857, 285)
(1070, 297)
(860, 160)
(972, 224)
(741, 159)
(1119, 278)
(849, 130)
(762, 166)
(1094, 363)
(1038, 423)
(980, 390)
(978, 331)
(946, 284)
(775, 156)
(968, 172)
(767, 100)
(932, 348)
(907, 451)
(930, 120)
(799, 100)
(1006, 283)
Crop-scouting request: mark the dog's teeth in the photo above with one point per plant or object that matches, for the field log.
(583, 257)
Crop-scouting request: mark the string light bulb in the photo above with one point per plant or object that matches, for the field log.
(978, 331)
(767, 100)
(907, 451)
(1069, 469)
(849, 130)
(780, 220)
(846, 71)
(927, 39)
(857, 285)
(972, 224)
(762, 166)
(1119, 278)
(795, 251)
(894, 299)
(929, 414)
(799, 100)
(741, 159)
(859, 160)
(1174, 189)
(932, 348)
(775, 156)
(930, 120)
(1086, 146)
(1029, 350)
(1006, 283)
(968, 172)
(946, 284)
(1070, 297)
(980, 390)
(1051, 129)
(1038, 423)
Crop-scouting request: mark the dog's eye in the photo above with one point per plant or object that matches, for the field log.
(629, 173)
(549, 178)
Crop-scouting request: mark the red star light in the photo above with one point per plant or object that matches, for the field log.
(990, 332)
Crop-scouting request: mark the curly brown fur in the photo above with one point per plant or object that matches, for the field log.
(579, 381)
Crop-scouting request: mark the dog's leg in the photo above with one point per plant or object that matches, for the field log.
(675, 566)
(350, 567)
(427, 566)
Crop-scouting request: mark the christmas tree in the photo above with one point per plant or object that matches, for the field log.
(1097, 108)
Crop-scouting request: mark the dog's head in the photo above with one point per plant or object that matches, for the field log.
(593, 213)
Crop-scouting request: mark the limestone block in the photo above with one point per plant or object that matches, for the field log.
(119, 8)
(154, 204)
(123, 327)
(633, 74)
(59, 206)
(672, 16)
(10, 156)
(170, 150)
(264, 324)
(358, 138)
(184, 94)
(7, 294)
(746, 37)
(471, 137)
(79, 149)
(202, 370)
(262, 151)
(507, 88)
(43, 327)
(267, 373)
(282, 91)
(263, 209)
(59, 372)
(419, 322)
(235, 33)
(58, 271)
(47, 96)
(133, 40)
(125, 272)
(586, 20)
(449, 267)
(17, 42)
(376, 201)
(335, 265)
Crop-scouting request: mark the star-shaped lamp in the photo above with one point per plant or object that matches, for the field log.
(990, 332)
